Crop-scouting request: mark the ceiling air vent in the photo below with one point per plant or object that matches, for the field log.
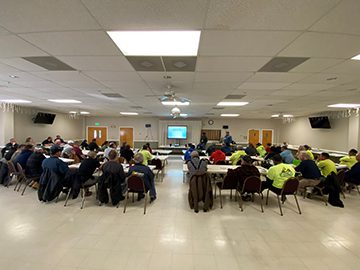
(234, 96)
(48, 62)
(282, 64)
(112, 95)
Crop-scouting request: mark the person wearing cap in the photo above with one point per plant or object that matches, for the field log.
(187, 155)
(235, 157)
(196, 164)
(33, 166)
(148, 178)
(54, 164)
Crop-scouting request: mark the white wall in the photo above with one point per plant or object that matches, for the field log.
(64, 126)
(238, 128)
(6, 127)
(354, 132)
(137, 123)
(300, 132)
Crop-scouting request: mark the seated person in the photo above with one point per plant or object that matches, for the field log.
(309, 170)
(267, 148)
(14, 154)
(148, 147)
(104, 145)
(245, 170)
(187, 155)
(24, 156)
(128, 154)
(196, 165)
(54, 164)
(78, 151)
(235, 157)
(349, 160)
(87, 169)
(278, 174)
(58, 137)
(211, 149)
(308, 150)
(139, 167)
(226, 149)
(34, 168)
(353, 175)
(261, 150)
(10, 146)
(251, 150)
(47, 141)
(147, 156)
(84, 145)
(30, 141)
(272, 153)
(326, 165)
(112, 146)
(217, 156)
(93, 146)
(122, 147)
(286, 155)
(67, 149)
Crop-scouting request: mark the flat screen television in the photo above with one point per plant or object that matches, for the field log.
(44, 118)
(319, 122)
(177, 132)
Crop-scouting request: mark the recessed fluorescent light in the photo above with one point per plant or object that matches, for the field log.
(175, 103)
(183, 114)
(64, 100)
(232, 103)
(15, 101)
(229, 114)
(275, 115)
(13, 76)
(129, 113)
(157, 43)
(356, 57)
(84, 113)
(72, 112)
(345, 105)
(288, 115)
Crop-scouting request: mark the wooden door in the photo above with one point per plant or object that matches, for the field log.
(98, 133)
(267, 136)
(127, 135)
(254, 136)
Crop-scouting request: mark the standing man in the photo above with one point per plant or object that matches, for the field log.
(227, 138)
(203, 141)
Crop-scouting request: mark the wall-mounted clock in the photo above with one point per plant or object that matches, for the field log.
(211, 122)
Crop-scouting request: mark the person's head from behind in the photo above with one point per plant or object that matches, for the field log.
(148, 145)
(268, 144)
(12, 140)
(239, 148)
(273, 149)
(39, 150)
(246, 160)
(92, 154)
(106, 143)
(358, 157)
(307, 147)
(277, 159)
(304, 156)
(49, 139)
(192, 146)
(283, 147)
(227, 133)
(58, 137)
(250, 145)
(127, 147)
(353, 152)
(28, 140)
(29, 147)
(194, 154)
(55, 150)
(112, 145)
(71, 142)
(204, 133)
(258, 144)
(138, 158)
(93, 140)
(145, 147)
(57, 142)
(324, 156)
(113, 155)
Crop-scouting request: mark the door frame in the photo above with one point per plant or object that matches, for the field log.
(107, 130)
(272, 134)
(133, 141)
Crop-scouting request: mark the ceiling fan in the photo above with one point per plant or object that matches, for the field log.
(170, 96)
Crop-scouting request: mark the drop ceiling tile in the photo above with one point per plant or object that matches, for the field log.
(308, 86)
(148, 15)
(312, 44)
(4, 68)
(316, 65)
(291, 93)
(75, 43)
(347, 67)
(125, 85)
(51, 15)
(20, 77)
(222, 77)
(21, 64)
(260, 85)
(216, 86)
(13, 46)
(281, 77)
(39, 84)
(330, 78)
(113, 76)
(342, 19)
(230, 64)
(269, 14)
(97, 63)
(244, 43)
(174, 76)
(3, 31)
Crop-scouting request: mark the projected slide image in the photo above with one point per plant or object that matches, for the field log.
(177, 132)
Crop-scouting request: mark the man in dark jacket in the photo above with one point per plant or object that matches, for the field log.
(309, 171)
(148, 175)
(33, 166)
(93, 146)
(24, 156)
(10, 146)
(353, 175)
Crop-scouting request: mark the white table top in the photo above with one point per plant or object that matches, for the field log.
(86, 152)
(162, 151)
(66, 160)
(125, 167)
(162, 158)
(222, 169)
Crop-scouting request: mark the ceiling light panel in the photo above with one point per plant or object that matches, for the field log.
(229, 114)
(175, 103)
(345, 105)
(84, 113)
(156, 43)
(356, 57)
(64, 100)
(15, 101)
(128, 113)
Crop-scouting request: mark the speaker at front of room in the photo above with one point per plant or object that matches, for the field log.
(225, 127)
(147, 125)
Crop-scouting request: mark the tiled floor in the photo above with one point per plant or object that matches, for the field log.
(171, 236)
